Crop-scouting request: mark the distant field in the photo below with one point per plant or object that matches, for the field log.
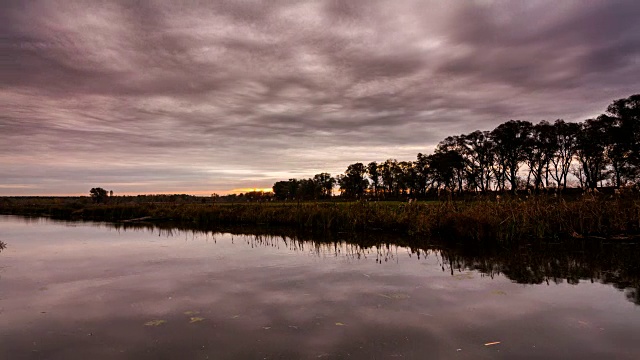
(84, 200)
(324, 202)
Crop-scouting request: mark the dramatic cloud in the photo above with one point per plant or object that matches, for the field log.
(159, 96)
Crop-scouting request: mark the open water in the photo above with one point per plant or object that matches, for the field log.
(96, 291)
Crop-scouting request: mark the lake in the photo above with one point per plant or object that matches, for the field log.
(79, 290)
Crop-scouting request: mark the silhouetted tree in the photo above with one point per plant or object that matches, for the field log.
(374, 176)
(617, 150)
(99, 195)
(286, 190)
(389, 174)
(404, 177)
(626, 113)
(566, 138)
(353, 182)
(603, 149)
(511, 140)
(478, 153)
(421, 166)
(325, 182)
(443, 167)
(308, 189)
(281, 190)
(454, 147)
(539, 150)
(592, 142)
(622, 121)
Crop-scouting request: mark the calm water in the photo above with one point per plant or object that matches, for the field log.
(91, 291)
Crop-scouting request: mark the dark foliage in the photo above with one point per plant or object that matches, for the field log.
(516, 155)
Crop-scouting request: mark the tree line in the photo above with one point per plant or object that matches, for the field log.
(602, 151)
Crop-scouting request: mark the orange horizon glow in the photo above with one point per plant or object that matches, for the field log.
(177, 192)
(245, 190)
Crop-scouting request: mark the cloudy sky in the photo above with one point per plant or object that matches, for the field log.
(162, 97)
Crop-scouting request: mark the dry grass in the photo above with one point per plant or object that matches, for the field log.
(507, 220)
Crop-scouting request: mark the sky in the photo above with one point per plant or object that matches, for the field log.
(221, 96)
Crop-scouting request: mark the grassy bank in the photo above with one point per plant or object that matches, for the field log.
(505, 220)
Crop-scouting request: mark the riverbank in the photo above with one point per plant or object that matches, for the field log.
(482, 220)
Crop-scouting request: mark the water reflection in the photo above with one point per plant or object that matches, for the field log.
(614, 263)
(141, 291)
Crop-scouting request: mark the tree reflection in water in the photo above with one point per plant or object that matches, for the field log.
(571, 261)
(608, 262)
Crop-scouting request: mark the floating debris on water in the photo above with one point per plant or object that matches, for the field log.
(395, 296)
(463, 276)
(157, 322)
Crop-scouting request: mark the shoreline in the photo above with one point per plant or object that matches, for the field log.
(508, 220)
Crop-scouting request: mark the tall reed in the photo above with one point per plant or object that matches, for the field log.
(503, 220)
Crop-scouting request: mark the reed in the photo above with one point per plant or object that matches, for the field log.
(484, 220)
